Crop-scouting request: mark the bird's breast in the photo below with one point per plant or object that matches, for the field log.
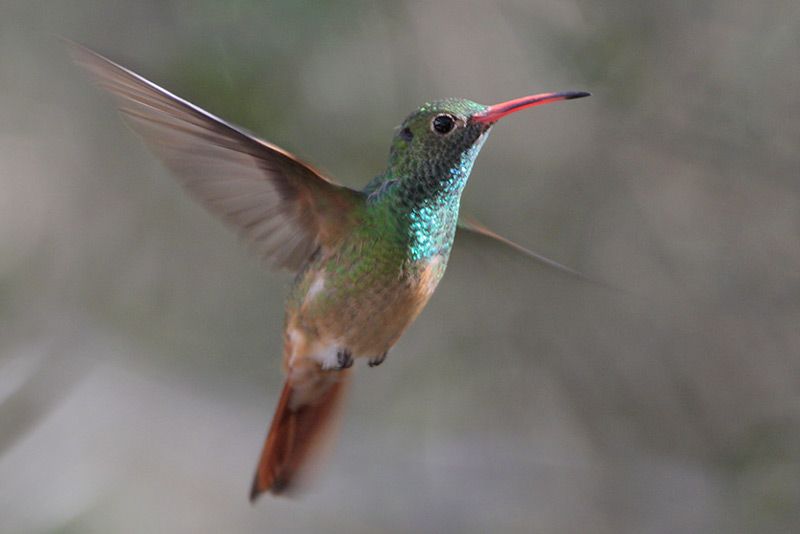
(361, 308)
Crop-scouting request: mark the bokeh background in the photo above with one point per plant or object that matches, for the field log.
(140, 342)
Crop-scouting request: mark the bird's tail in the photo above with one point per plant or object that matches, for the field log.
(304, 417)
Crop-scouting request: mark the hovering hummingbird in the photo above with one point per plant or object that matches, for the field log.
(366, 261)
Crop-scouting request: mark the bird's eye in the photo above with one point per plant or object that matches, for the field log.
(406, 134)
(443, 124)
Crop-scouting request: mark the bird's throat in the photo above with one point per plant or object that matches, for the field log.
(419, 198)
(421, 213)
(430, 228)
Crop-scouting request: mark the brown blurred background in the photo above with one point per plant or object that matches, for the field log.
(139, 341)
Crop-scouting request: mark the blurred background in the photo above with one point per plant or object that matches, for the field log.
(140, 341)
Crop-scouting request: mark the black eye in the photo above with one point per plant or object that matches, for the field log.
(443, 124)
(406, 134)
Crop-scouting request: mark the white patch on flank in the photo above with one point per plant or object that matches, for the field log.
(316, 286)
(328, 356)
(296, 340)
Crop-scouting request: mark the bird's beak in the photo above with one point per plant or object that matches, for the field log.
(496, 112)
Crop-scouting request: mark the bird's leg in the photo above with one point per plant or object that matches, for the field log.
(374, 362)
(344, 358)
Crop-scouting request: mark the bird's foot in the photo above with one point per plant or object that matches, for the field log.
(344, 358)
(374, 362)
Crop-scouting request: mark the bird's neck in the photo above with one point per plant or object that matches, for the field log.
(427, 221)
(420, 210)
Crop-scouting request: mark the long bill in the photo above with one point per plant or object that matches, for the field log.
(498, 111)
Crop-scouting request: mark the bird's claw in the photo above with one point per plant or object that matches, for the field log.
(344, 358)
(374, 362)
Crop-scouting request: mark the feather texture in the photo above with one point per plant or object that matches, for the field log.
(306, 412)
(468, 224)
(285, 208)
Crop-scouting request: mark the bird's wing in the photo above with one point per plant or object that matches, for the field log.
(469, 224)
(283, 206)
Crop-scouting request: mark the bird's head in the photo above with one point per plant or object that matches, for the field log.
(441, 139)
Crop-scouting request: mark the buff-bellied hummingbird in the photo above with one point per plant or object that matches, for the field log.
(366, 261)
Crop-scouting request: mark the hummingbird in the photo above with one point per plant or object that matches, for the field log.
(366, 262)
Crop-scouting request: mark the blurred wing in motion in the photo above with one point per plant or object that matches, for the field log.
(468, 224)
(284, 207)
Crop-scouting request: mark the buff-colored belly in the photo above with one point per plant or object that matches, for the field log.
(365, 320)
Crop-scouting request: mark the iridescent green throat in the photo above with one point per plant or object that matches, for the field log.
(416, 203)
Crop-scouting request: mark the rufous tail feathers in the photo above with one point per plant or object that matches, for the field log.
(303, 419)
